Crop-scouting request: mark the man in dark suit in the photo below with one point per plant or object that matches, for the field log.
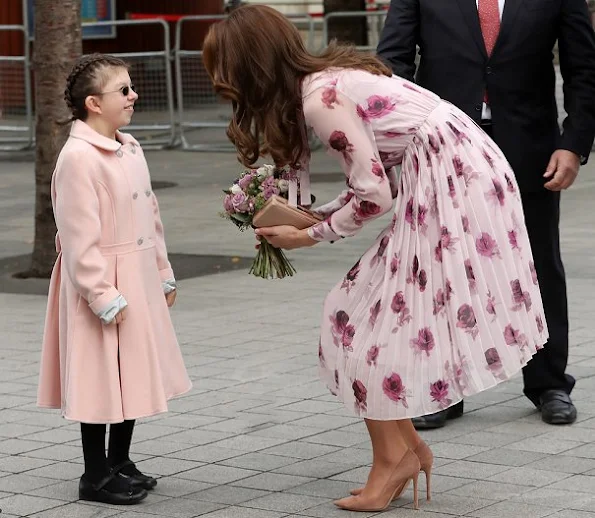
(494, 60)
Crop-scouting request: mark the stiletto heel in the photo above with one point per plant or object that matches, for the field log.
(428, 473)
(415, 495)
(408, 469)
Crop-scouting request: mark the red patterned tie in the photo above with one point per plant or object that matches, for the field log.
(489, 19)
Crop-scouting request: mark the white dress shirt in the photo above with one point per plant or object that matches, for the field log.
(486, 113)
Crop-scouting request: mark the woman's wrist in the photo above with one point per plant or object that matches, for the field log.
(305, 238)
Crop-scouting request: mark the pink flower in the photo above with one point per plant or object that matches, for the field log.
(458, 165)
(459, 135)
(446, 239)
(393, 388)
(439, 301)
(509, 183)
(339, 323)
(350, 278)
(329, 96)
(270, 192)
(347, 337)
(513, 336)
(434, 145)
(487, 246)
(438, 252)
(424, 341)
(465, 222)
(439, 393)
(423, 280)
(539, 322)
(374, 312)
(228, 205)
(422, 211)
(398, 304)
(488, 158)
(240, 202)
(377, 169)
(245, 181)
(519, 296)
(451, 187)
(410, 214)
(361, 394)
(497, 193)
(394, 265)
(493, 359)
(491, 305)
(366, 210)
(466, 320)
(372, 355)
(378, 106)
(470, 274)
(512, 239)
(339, 142)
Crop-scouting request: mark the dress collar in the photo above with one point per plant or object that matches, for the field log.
(83, 131)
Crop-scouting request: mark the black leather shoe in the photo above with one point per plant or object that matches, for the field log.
(556, 407)
(99, 493)
(129, 470)
(438, 420)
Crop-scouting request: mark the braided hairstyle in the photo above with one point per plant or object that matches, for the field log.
(85, 79)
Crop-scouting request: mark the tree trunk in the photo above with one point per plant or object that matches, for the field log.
(347, 30)
(57, 45)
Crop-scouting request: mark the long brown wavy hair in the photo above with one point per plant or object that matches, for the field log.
(257, 60)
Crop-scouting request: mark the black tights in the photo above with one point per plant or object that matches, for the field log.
(97, 465)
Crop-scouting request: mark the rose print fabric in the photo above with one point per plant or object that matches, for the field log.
(445, 303)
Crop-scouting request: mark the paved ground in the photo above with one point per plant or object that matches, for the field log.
(259, 436)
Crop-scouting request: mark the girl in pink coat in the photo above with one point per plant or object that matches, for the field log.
(110, 353)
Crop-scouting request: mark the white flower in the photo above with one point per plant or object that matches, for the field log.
(235, 189)
(265, 170)
(283, 185)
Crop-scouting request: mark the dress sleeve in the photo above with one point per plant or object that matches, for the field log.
(76, 209)
(344, 128)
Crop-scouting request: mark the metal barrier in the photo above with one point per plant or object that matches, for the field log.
(16, 105)
(375, 21)
(154, 119)
(199, 108)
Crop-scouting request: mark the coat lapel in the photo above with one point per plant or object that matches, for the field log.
(469, 9)
(509, 16)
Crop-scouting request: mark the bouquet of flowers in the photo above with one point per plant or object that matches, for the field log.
(244, 199)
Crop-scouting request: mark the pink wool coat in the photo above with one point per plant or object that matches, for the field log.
(110, 243)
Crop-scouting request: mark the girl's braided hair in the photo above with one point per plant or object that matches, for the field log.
(85, 80)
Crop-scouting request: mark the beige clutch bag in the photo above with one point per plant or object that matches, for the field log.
(277, 211)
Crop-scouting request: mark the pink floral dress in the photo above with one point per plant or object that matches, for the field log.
(445, 304)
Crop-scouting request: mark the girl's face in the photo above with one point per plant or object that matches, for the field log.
(114, 104)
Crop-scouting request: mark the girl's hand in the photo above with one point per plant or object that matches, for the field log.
(285, 236)
(120, 317)
(170, 298)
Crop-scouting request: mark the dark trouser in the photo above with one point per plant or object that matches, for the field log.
(547, 368)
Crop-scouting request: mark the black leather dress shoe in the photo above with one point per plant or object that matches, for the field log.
(129, 470)
(99, 493)
(438, 420)
(556, 407)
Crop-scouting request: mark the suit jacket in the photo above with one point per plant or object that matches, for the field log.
(519, 75)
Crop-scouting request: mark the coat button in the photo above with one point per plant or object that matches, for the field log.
(147, 193)
(489, 71)
(135, 196)
(478, 107)
(133, 150)
(140, 241)
(119, 153)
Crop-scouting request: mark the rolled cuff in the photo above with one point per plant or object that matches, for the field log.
(169, 285)
(104, 301)
(323, 232)
(108, 314)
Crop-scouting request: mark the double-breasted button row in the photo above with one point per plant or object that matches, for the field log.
(119, 153)
(140, 241)
(135, 194)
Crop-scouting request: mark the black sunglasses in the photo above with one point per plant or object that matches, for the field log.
(125, 90)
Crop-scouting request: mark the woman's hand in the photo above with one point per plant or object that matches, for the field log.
(120, 317)
(285, 237)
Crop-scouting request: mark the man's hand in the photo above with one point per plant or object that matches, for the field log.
(170, 298)
(562, 169)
